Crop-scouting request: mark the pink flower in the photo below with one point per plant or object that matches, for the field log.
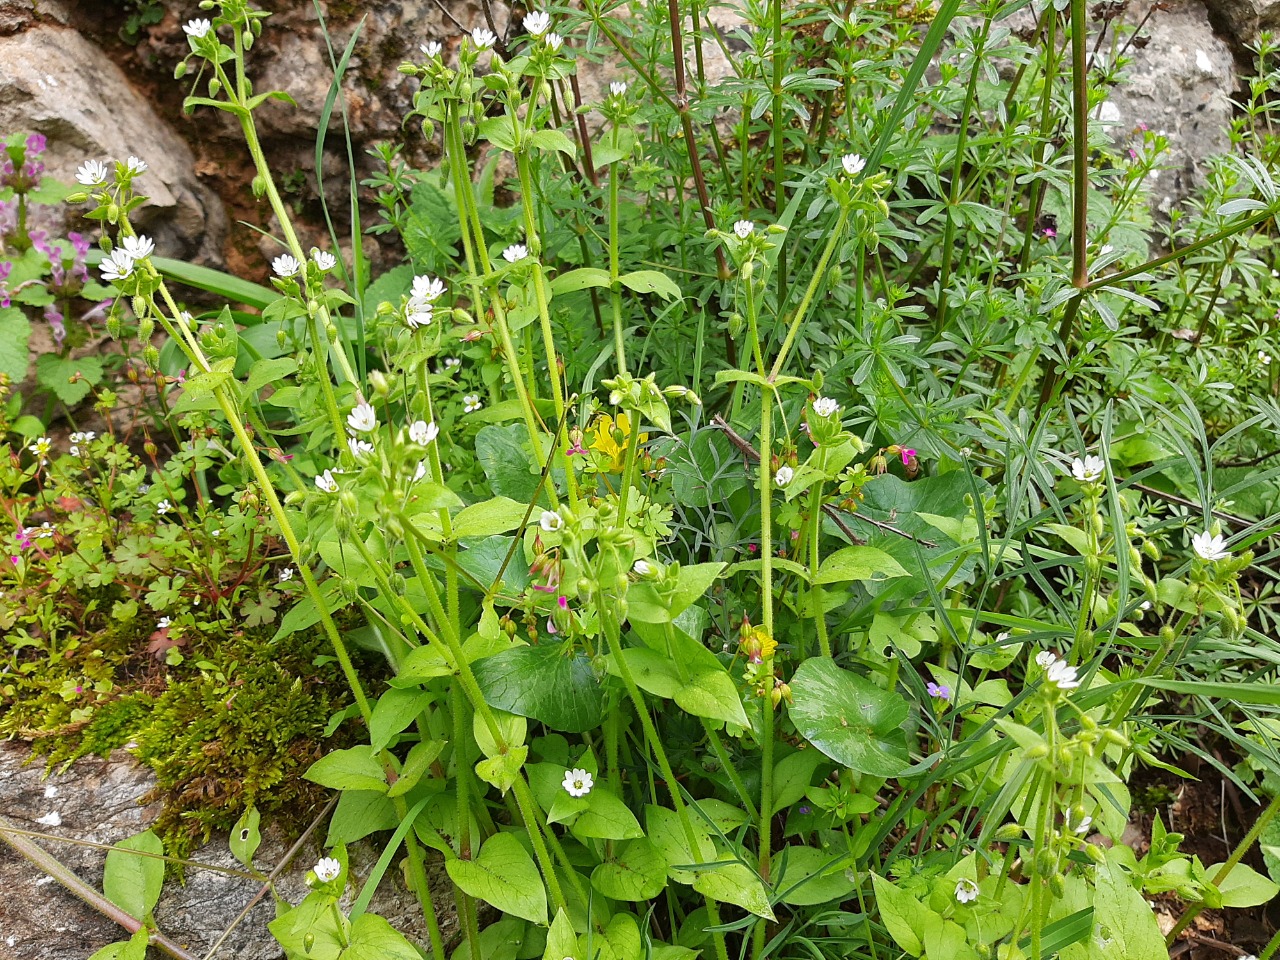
(907, 456)
(752, 548)
(551, 627)
(1049, 233)
(563, 601)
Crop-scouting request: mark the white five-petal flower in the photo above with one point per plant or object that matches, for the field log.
(515, 253)
(92, 173)
(428, 288)
(135, 166)
(966, 890)
(285, 575)
(618, 88)
(537, 23)
(1046, 659)
(1088, 470)
(326, 869)
(358, 446)
(782, 476)
(471, 403)
(285, 265)
(196, 29)
(163, 507)
(431, 48)
(578, 782)
(550, 521)
(422, 433)
(363, 419)
(744, 229)
(483, 38)
(326, 482)
(553, 41)
(41, 446)
(642, 568)
(853, 164)
(1062, 675)
(1211, 547)
(138, 247)
(323, 259)
(117, 265)
(825, 406)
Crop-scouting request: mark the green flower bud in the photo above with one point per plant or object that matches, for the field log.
(349, 502)
(113, 213)
(151, 356)
(281, 338)
(215, 87)
(77, 198)
(379, 383)
(1008, 832)
(180, 70)
(259, 185)
(350, 589)
(139, 305)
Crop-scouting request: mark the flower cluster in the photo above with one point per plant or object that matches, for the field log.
(1057, 673)
(420, 307)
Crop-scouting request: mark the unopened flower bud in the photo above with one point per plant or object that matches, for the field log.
(1008, 832)
(139, 305)
(331, 331)
(149, 448)
(379, 383)
(259, 185)
(1038, 752)
(151, 356)
(349, 502)
(281, 338)
(180, 70)
(215, 88)
(350, 588)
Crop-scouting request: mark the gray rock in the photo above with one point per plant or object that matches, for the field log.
(54, 81)
(97, 800)
(1241, 21)
(1179, 84)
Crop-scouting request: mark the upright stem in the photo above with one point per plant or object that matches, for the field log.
(766, 669)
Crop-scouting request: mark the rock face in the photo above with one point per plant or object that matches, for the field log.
(97, 800)
(1180, 83)
(1242, 20)
(54, 81)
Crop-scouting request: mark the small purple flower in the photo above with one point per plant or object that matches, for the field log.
(36, 144)
(938, 690)
(804, 810)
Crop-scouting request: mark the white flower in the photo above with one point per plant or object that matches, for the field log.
(853, 165)
(744, 229)
(553, 42)
(422, 433)
(1088, 470)
(1144, 606)
(285, 266)
(515, 253)
(452, 362)
(285, 575)
(196, 28)
(618, 88)
(550, 521)
(825, 406)
(578, 782)
(92, 173)
(1083, 826)
(482, 38)
(966, 890)
(78, 439)
(420, 471)
(783, 475)
(138, 247)
(363, 419)
(135, 166)
(41, 447)
(163, 507)
(326, 482)
(1264, 358)
(163, 622)
(358, 446)
(471, 403)
(428, 288)
(431, 48)
(537, 23)
(417, 313)
(1062, 675)
(327, 869)
(117, 266)
(323, 259)
(1046, 659)
(642, 568)
(1210, 547)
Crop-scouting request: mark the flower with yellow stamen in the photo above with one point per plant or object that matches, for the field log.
(610, 438)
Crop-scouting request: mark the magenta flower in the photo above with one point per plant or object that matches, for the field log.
(907, 456)
(938, 690)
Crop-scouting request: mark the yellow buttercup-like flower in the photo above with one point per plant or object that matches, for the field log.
(610, 438)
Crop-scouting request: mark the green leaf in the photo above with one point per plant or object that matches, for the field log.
(489, 518)
(706, 689)
(859, 563)
(245, 837)
(225, 285)
(1122, 919)
(900, 913)
(735, 883)
(135, 948)
(504, 876)
(1244, 886)
(562, 942)
(849, 718)
(606, 818)
(421, 756)
(393, 712)
(811, 877)
(68, 379)
(1243, 692)
(503, 453)
(553, 140)
(351, 769)
(502, 769)
(646, 605)
(665, 831)
(637, 871)
(552, 683)
(264, 372)
(372, 938)
(311, 930)
(15, 330)
(358, 814)
(580, 279)
(132, 882)
(651, 281)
